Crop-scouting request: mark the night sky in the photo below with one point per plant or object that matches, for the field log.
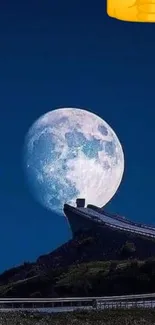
(70, 53)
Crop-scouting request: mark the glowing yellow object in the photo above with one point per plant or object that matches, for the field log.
(131, 10)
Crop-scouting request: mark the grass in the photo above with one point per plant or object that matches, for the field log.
(107, 317)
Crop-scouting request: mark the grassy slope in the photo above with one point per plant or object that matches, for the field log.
(112, 317)
(88, 279)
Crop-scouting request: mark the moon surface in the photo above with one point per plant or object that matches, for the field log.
(71, 153)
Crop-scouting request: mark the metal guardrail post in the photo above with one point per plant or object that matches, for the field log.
(94, 303)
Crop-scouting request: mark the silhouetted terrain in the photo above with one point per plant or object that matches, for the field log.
(101, 261)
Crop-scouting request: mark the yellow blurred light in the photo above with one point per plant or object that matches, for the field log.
(131, 10)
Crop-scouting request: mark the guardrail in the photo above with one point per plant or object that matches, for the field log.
(70, 303)
(126, 297)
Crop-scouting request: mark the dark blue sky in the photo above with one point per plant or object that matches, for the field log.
(69, 53)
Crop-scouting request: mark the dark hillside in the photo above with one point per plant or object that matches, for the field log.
(54, 274)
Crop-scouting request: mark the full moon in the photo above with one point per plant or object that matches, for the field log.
(71, 153)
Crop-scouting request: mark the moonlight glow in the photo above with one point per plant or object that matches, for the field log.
(72, 153)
